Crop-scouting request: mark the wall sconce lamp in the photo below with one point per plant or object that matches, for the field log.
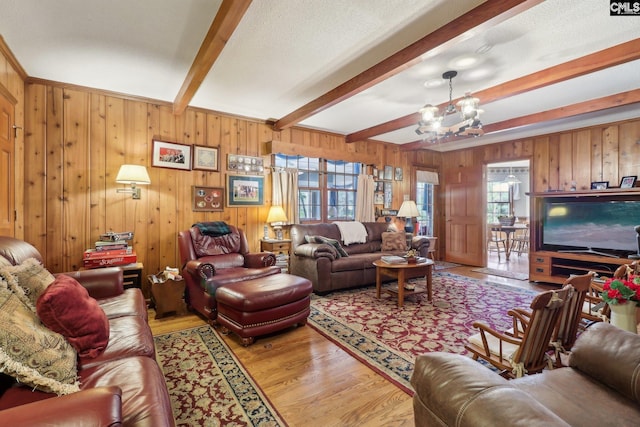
(132, 174)
(276, 217)
(408, 210)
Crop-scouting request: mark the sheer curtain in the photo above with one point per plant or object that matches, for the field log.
(285, 193)
(365, 211)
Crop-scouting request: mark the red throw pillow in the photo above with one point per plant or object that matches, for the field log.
(66, 308)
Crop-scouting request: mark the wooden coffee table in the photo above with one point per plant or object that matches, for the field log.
(399, 272)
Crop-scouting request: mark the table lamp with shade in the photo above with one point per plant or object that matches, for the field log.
(408, 210)
(276, 218)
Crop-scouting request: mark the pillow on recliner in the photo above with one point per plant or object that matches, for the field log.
(393, 242)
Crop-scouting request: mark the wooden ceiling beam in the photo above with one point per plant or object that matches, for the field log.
(486, 15)
(616, 55)
(224, 24)
(598, 104)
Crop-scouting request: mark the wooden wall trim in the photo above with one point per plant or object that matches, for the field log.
(10, 57)
(280, 147)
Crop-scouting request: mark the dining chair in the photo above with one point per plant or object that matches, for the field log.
(495, 238)
(520, 241)
(526, 354)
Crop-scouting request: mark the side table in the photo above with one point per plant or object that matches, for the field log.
(278, 247)
(168, 297)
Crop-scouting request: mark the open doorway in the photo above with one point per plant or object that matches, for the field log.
(507, 215)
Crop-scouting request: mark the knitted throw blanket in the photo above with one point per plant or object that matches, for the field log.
(214, 228)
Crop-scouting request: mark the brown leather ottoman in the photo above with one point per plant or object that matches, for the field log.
(264, 305)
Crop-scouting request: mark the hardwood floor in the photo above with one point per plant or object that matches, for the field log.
(311, 381)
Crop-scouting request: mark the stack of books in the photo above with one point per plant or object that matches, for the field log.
(110, 250)
(282, 261)
(392, 259)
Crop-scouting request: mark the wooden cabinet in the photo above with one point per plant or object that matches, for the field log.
(132, 275)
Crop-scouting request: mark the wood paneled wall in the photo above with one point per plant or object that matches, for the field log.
(600, 153)
(77, 139)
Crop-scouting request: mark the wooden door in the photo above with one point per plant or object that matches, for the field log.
(464, 213)
(7, 184)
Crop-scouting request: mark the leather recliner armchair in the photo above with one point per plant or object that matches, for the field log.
(210, 261)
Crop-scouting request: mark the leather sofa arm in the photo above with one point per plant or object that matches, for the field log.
(100, 406)
(191, 267)
(259, 260)
(609, 355)
(100, 282)
(451, 389)
(421, 244)
(317, 250)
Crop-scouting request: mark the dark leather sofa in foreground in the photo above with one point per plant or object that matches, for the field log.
(600, 387)
(318, 262)
(121, 386)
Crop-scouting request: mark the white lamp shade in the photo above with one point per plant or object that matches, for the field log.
(276, 214)
(133, 174)
(408, 209)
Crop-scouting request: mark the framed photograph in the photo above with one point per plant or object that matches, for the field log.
(378, 198)
(374, 171)
(379, 186)
(628, 181)
(205, 158)
(245, 190)
(398, 174)
(388, 195)
(248, 164)
(207, 199)
(388, 173)
(600, 185)
(380, 173)
(171, 155)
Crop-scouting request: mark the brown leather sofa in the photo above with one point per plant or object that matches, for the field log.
(600, 387)
(122, 386)
(209, 262)
(318, 263)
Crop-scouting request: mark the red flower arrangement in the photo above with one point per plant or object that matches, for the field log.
(619, 291)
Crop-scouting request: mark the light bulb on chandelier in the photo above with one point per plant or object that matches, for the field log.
(435, 125)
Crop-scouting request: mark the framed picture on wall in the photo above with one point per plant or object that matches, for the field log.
(628, 181)
(388, 195)
(207, 199)
(205, 158)
(378, 198)
(398, 175)
(245, 190)
(388, 173)
(171, 155)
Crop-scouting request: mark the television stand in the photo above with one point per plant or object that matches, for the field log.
(556, 266)
(587, 251)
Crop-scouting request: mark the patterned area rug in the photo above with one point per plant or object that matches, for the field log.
(502, 273)
(207, 384)
(388, 338)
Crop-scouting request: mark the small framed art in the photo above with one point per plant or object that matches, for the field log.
(600, 185)
(378, 198)
(388, 173)
(207, 199)
(245, 190)
(398, 174)
(628, 181)
(205, 158)
(171, 155)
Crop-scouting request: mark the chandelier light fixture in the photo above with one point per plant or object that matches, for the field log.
(435, 125)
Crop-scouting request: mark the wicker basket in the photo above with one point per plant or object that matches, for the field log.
(507, 220)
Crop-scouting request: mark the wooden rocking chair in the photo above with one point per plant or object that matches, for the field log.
(517, 356)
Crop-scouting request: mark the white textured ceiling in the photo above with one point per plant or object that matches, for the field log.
(286, 53)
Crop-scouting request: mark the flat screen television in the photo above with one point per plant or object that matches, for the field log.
(604, 227)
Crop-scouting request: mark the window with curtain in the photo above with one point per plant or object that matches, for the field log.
(326, 188)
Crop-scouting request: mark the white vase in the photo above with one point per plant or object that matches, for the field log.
(624, 316)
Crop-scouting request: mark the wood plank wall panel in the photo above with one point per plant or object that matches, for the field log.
(117, 130)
